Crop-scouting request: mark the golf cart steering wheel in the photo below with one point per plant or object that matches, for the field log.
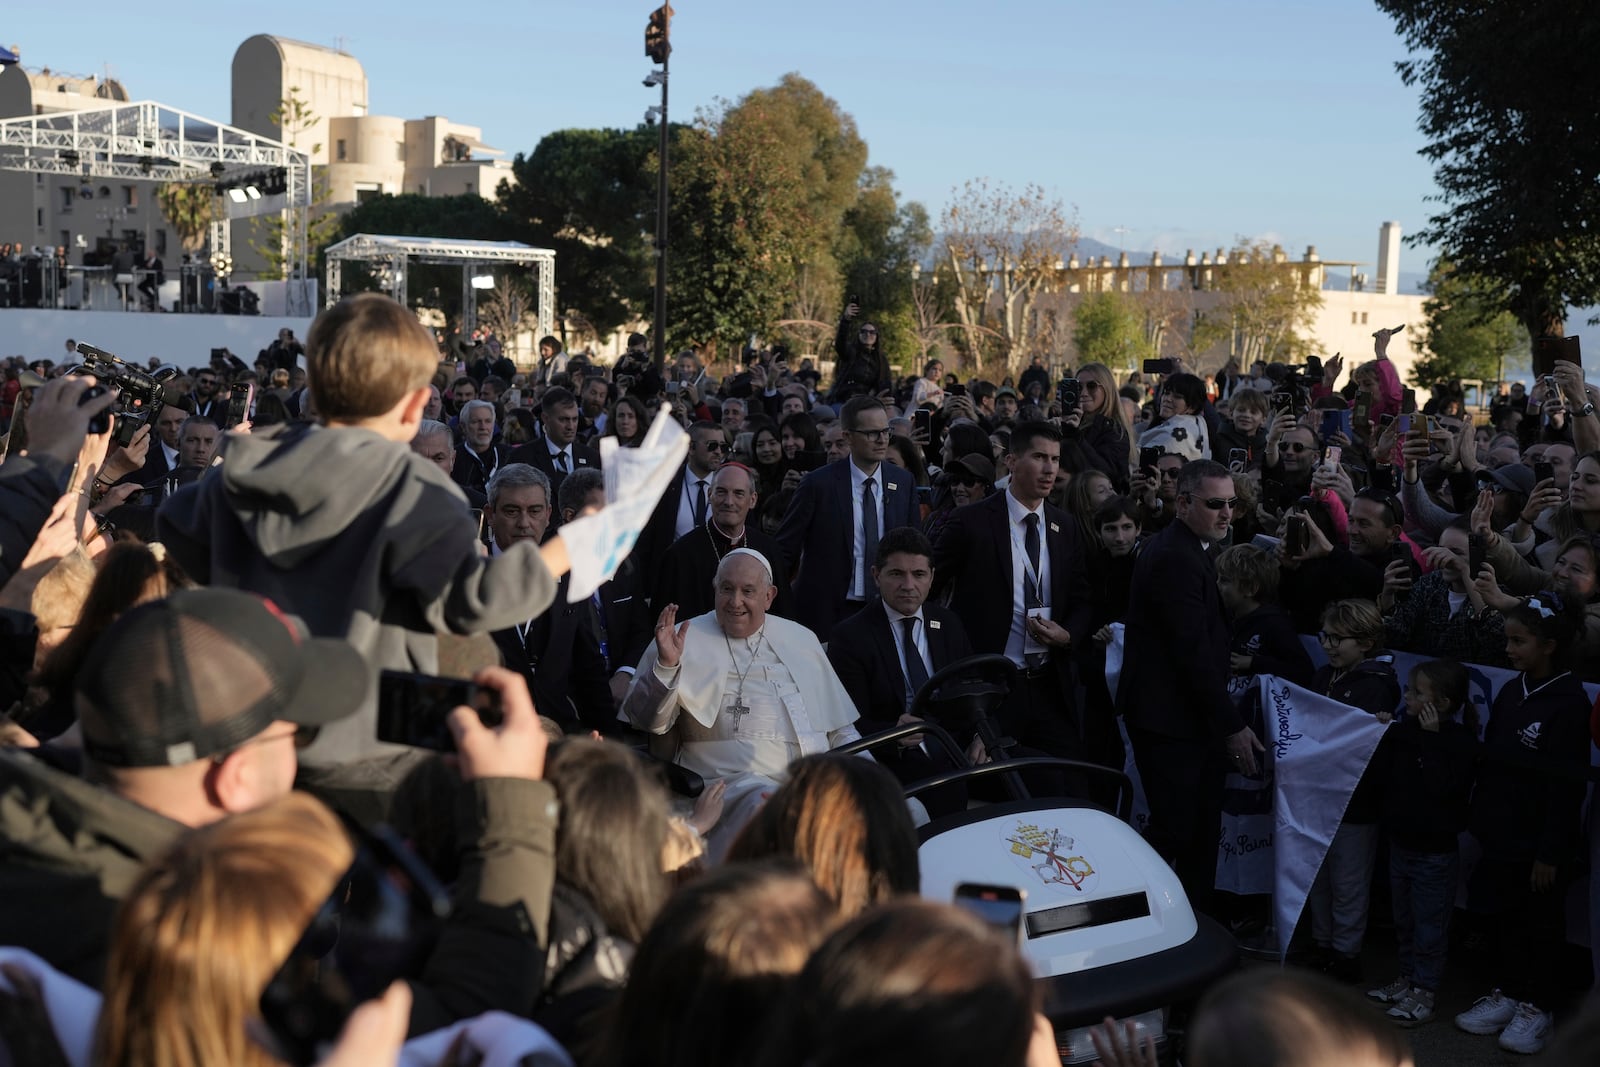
(963, 696)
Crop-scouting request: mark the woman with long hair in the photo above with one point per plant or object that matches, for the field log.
(1103, 435)
(766, 459)
(845, 819)
(204, 929)
(628, 421)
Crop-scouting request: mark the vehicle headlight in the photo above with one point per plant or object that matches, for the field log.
(1076, 1047)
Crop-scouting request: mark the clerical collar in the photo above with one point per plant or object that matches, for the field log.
(717, 534)
(753, 640)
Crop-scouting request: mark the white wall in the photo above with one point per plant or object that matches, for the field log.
(184, 340)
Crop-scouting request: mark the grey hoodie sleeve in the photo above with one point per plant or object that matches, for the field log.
(1429, 517)
(480, 593)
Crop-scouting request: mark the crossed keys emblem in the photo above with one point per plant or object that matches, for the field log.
(1054, 868)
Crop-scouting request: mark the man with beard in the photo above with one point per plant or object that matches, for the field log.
(204, 401)
(690, 564)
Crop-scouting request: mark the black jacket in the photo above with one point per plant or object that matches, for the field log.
(585, 966)
(1370, 686)
(1428, 784)
(865, 657)
(1530, 785)
(559, 655)
(859, 371)
(1307, 590)
(1268, 637)
(473, 471)
(1100, 445)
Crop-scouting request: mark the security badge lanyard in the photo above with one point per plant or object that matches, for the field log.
(1031, 646)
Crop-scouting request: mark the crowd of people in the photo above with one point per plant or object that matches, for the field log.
(200, 762)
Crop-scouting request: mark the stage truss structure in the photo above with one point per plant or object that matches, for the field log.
(146, 140)
(389, 256)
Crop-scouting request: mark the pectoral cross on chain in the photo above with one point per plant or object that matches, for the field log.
(738, 710)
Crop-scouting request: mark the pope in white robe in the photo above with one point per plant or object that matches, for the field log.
(737, 694)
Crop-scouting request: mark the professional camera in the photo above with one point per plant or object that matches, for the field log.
(141, 394)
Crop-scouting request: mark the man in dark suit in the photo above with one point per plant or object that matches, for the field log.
(153, 277)
(838, 515)
(686, 503)
(621, 619)
(162, 457)
(556, 651)
(1017, 576)
(479, 455)
(1186, 730)
(888, 650)
(556, 451)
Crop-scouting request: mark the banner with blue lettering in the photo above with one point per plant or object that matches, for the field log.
(1319, 749)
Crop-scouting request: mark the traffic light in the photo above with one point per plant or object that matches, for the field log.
(656, 45)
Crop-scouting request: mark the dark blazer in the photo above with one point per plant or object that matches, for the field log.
(864, 657)
(536, 454)
(972, 559)
(629, 620)
(562, 664)
(659, 533)
(818, 531)
(1175, 662)
(473, 472)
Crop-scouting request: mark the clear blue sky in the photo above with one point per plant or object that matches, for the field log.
(1187, 123)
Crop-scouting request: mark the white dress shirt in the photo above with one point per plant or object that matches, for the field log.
(557, 451)
(920, 646)
(686, 499)
(1016, 642)
(861, 567)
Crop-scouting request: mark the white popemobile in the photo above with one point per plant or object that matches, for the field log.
(1105, 921)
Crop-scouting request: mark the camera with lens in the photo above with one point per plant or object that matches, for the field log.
(141, 394)
(1067, 394)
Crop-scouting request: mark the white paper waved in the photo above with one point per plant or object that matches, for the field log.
(635, 479)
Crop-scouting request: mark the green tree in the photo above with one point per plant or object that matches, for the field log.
(189, 209)
(1508, 107)
(880, 246)
(1109, 328)
(737, 219)
(1469, 333)
(1266, 309)
(590, 196)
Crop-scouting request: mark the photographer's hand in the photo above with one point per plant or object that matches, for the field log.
(57, 423)
(515, 749)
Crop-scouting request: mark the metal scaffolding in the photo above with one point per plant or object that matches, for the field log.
(147, 140)
(389, 257)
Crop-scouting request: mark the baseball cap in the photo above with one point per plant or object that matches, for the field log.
(1006, 390)
(974, 465)
(204, 671)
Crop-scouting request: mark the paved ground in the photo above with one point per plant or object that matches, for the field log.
(1438, 1043)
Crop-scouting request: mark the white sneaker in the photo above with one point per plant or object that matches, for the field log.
(1527, 1031)
(1488, 1015)
(1392, 993)
(1416, 1007)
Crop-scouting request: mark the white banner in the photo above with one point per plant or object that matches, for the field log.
(635, 480)
(1319, 749)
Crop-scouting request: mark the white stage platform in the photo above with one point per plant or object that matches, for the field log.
(182, 340)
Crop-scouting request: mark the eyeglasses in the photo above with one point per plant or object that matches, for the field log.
(1088, 384)
(876, 435)
(1293, 446)
(1217, 503)
(1169, 474)
(713, 446)
(1333, 639)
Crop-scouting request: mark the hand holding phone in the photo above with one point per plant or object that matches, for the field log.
(512, 748)
(414, 709)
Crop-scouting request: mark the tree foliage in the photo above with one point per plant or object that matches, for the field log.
(1266, 310)
(1001, 250)
(590, 196)
(1109, 328)
(189, 209)
(1508, 107)
(1469, 334)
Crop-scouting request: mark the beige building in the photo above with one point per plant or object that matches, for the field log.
(360, 154)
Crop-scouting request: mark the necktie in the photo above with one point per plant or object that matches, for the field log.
(561, 461)
(1030, 542)
(869, 528)
(916, 670)
(700, 502)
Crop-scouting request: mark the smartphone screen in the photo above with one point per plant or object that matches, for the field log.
(378, 925)
(1001, 906)
(922, 421)
(1149, 457)
(1543, 472)
(1332, 455)
(1296, 537)
(1477, 554)
(241, 398)
(412, 708)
